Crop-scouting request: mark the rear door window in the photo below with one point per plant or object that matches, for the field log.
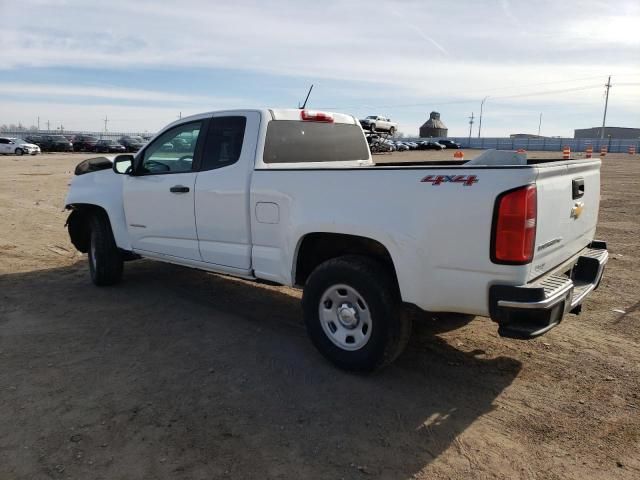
(292, 141)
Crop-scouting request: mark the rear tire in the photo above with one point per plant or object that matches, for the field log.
(353, 313)
(392, 130)
(105, 260)
(19, 152)
(373, 127)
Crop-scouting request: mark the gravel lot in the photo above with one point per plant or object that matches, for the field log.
(181, 374)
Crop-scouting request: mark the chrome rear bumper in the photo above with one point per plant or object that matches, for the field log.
(531, 310)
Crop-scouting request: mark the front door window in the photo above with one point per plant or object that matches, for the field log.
(173, 151)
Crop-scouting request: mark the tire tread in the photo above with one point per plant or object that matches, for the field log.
(398, 322)
(109, 262)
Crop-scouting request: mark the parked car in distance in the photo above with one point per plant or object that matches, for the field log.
(108, 145)
(84, 143)
(429, 145)
(376, 123)
(449, 143)
(402, 147)
(389, 145)
(131, 143)
(17, 146)
(51, 143)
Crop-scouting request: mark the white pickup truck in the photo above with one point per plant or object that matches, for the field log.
(293, 197)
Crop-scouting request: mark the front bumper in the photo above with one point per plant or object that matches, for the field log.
(528, 311)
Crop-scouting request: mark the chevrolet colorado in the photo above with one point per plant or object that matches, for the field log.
(293, 197)
(376, 123)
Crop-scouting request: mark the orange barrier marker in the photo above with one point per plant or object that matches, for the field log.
(589, 151)
(458, 155)
(603, 151)
(632, 149)
(566, 153)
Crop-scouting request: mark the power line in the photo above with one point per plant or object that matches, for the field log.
(549, 92)
(435, 102)
(501, 89)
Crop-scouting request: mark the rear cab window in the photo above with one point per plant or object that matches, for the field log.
(293, 143)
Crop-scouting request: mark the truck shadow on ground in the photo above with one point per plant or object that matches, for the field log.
(180, 374)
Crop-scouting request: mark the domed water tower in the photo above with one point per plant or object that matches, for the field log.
(433, 127)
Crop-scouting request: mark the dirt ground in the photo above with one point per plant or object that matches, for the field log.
(181, 374)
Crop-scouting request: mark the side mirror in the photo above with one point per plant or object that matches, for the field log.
(123, 164)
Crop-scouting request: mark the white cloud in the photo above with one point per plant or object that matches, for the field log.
(90, 116)
(107, 92)
(419, 52)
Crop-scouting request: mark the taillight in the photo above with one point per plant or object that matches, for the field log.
(514, 226)
(312, 116)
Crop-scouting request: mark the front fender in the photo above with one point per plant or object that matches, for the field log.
(101, 189)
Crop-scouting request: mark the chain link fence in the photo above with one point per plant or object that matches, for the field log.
(72, 133)
(546, 144)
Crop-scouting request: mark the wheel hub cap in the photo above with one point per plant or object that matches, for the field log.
(345, 317)
(348, 315)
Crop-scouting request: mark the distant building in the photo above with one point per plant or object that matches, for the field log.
(525, 135)
(433, 127)
(614, 132)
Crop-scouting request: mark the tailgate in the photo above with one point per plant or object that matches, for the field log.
(568, 202)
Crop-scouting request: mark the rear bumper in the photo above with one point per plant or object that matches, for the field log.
(528, 311)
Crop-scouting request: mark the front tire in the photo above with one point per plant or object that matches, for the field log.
(19, 152)
(105, 260)
(353, 313)
(392, 130)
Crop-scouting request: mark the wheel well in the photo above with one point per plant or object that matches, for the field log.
(316, 248)
(78, 224)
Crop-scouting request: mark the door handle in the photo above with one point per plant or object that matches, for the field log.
(179, 189)
(577, 188)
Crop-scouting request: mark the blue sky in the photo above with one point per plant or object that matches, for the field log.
(142, 63)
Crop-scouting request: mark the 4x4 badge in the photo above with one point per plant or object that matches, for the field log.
(466, 180)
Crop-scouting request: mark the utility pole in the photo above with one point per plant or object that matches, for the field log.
(539, 123)
(38, 122)
(470, 128)
(48, 126)
(606, 103)
(106, 120)
(480, 121)
(180, 115)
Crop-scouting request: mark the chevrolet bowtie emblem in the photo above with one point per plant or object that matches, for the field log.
(577, 209)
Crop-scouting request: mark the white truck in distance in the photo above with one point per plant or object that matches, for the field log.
(293, 197)
(376, 123)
